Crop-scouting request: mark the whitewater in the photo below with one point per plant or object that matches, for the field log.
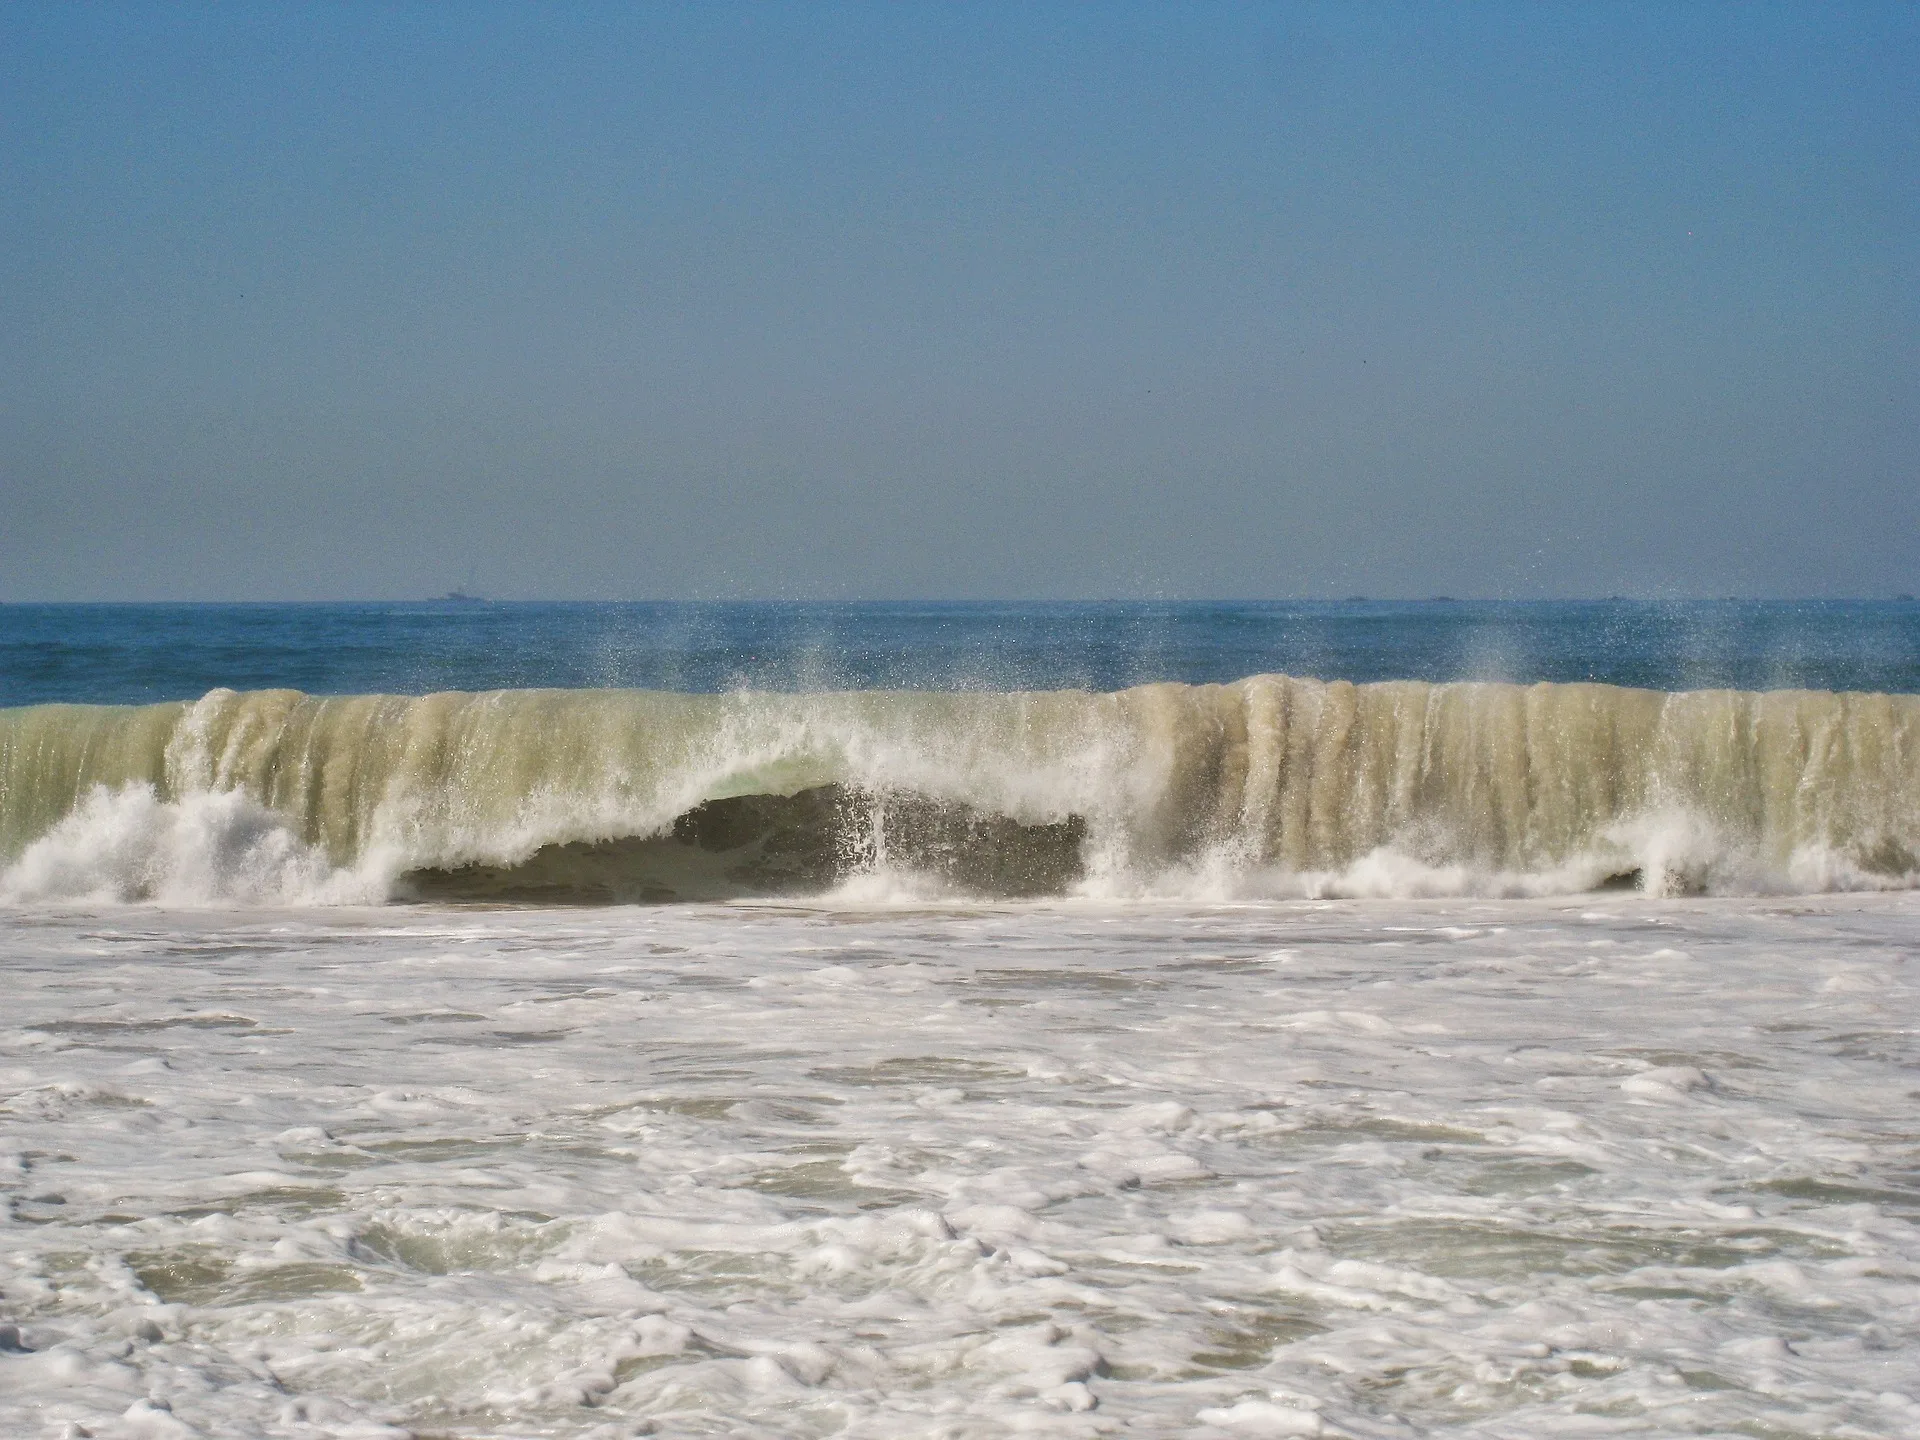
(1604, 1165)
(507, 1022)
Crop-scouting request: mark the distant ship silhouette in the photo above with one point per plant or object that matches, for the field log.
(460, 597)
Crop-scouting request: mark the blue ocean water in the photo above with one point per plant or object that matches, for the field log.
(140, 653)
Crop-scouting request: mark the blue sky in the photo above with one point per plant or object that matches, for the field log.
(906, 301)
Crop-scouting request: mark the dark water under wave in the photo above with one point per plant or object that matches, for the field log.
(133, 654)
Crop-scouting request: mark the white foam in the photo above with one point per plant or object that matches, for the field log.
(208, 848)
(1351, 1168)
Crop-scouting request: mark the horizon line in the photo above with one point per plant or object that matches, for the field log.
(460, 598)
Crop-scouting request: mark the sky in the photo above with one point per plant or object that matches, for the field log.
(958, 301)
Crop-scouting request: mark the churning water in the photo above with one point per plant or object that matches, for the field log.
(960, 1022)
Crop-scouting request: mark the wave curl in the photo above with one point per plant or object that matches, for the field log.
(1269, 786)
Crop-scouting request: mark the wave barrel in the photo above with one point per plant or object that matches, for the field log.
(1270, 785)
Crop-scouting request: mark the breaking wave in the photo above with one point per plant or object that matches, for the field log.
(1269, 786)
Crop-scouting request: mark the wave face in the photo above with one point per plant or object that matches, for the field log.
(1270, 785)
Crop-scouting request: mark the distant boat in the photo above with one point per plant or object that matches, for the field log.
(460, 597)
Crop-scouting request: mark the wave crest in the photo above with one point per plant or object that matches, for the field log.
(1272, 785)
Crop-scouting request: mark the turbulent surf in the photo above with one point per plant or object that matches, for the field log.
(402, 1104)
(1271, 785)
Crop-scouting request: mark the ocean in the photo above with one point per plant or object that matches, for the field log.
(1367, 1019)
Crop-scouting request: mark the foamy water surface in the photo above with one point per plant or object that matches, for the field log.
(1593, 1165)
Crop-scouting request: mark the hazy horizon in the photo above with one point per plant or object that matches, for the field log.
(837, 303)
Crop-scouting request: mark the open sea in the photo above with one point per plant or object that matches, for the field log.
(1361, 1019)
